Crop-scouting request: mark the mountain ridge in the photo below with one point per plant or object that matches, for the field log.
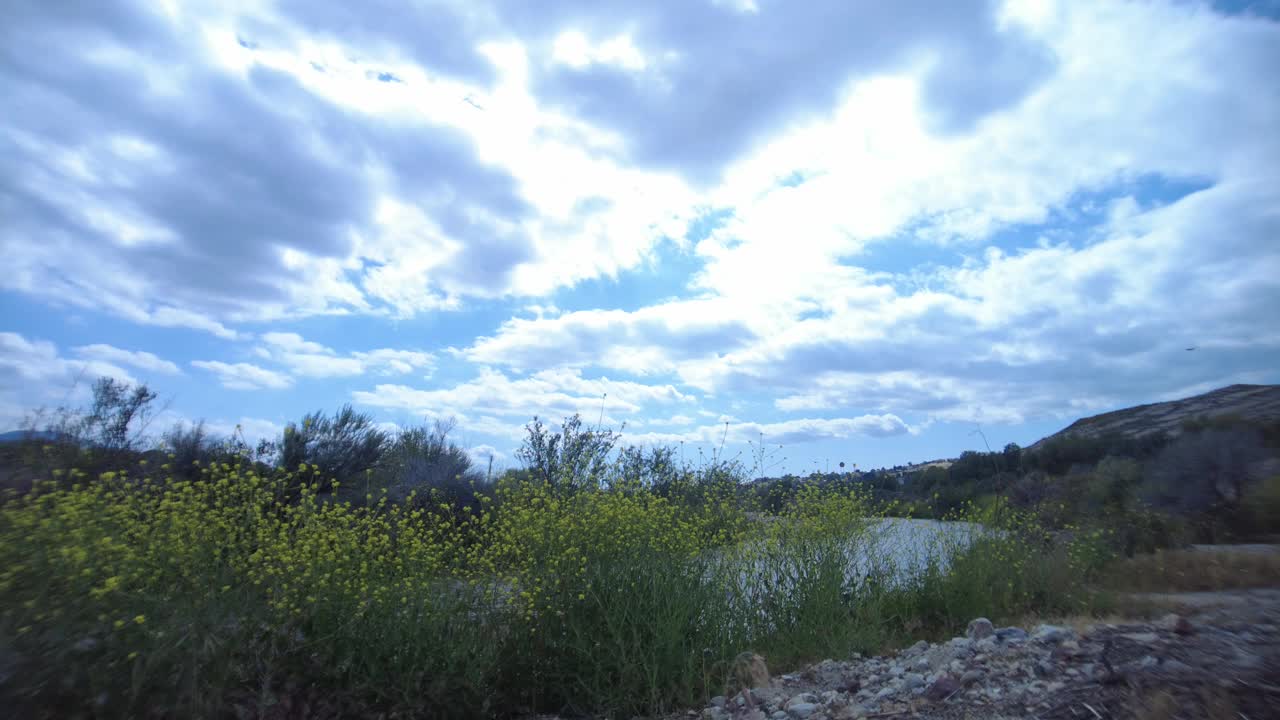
(1253, 402)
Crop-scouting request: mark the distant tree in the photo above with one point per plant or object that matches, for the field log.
(572, 459)
(342, 446)
(425, 462)
(1012, 457)
(119, 414)
(1204, 470)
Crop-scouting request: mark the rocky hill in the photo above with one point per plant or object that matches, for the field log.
(1255, 402)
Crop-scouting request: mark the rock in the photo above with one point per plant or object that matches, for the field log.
(852, 712)
(1051, 634)
(887, 691)
(979, 628)
(831, 698)
(921, 664)
(779, 715)
(972, 676)
(804, 698)
(1145, 662)
(943, 688)
(1176, 667)
(750, 670)
(719, 701)
(911, 681)
(1011, 635)
(916, 649)
(1173, 622)
(801, 710)
(716, 713)
(1142, 638)
(756, 715)
(896, 671)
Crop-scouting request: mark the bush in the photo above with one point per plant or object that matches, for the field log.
(1206, 469)
(343, 447)
(221, 595)
(1262, 507)
(425, 464)
(572, 459)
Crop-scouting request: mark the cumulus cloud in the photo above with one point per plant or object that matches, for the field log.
(135, 358)
(996, 210)
(309, 359)
(796, 431)
(1085, 311)
(550, 393)
(244, 376)
(34, 375)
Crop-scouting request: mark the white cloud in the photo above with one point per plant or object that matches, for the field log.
(33, 375)
(787, 432)
(482, 454)
(135, 358)
(551, 394)
(310, 359)
(244, 376)
(250, 428)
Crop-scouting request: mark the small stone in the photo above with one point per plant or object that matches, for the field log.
(715, 713)
(1143, 663)
(831, 698)
(921, 664)
(887, 691)
(1142, 638)
(804, 698)
(719, 701)
(1176, 667)
(779, 715)
(943, 688)
(801, 710)
(896, 671)
(1051, 634)
(1011, 635)
(916, 649)
(979, 628)
(756, 714)
(911, 681)
(971, 676)
(852, 712)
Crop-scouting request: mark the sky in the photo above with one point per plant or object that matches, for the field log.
(859, 232)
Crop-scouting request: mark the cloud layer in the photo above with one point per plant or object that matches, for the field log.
(837, 221)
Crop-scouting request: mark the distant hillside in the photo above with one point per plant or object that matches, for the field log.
(1254, 402)
(20, 435)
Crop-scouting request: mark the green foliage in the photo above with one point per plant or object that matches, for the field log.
(425, 464)
(1262, 506)
(118, 409)
(343, 446)
(224, 594)
(574, 458)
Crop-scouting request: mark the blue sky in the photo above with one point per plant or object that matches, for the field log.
(861, 231)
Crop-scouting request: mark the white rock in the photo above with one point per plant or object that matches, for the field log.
(801, 710)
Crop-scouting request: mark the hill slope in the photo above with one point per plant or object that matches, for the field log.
(1256, 402)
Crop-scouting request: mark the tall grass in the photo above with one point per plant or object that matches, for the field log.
(244, 593)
